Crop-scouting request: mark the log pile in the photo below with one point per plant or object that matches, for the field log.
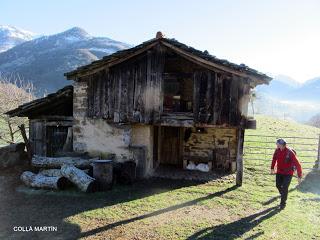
(59, 179)
(59, 173)
(62, 172)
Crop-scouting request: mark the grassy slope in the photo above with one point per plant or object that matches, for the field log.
(4, 131)
(267, 126)
(179, 210)
(210, 211)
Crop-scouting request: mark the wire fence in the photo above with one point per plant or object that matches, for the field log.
(259, 149)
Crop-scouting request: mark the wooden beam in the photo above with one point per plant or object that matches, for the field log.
(27, 142)
(239, 174)
(107, 64)
(209, 64)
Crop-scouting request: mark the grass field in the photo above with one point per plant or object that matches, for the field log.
(166, 209)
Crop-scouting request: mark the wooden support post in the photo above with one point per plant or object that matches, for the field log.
(318, 158)
(239, 176)
(185, 163)
(26, 141)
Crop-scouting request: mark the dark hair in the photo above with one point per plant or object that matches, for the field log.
(281, 141)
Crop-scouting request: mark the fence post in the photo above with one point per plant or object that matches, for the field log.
(239, 174)
(318, 158)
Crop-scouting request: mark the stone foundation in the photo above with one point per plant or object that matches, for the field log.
(219, 144)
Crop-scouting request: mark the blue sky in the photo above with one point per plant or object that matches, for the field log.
(273, 36)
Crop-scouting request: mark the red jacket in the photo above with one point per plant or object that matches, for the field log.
(286, 160)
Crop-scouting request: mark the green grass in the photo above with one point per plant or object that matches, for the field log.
(171, 209)
(303, 138)
(3, 129)
(212, 210)
(4, 132)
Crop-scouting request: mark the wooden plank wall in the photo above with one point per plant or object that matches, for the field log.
(134, 88)
(216, 98)
(37, 136)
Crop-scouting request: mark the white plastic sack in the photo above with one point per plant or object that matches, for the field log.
(202, 167)
(191, 166)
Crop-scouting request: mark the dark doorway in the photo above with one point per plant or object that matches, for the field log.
(171, 146)
(56, 138)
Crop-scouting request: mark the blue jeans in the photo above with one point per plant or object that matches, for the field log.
(283, 183)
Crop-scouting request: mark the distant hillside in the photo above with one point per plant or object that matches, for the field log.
(285, 97)
(309, 91)
(43, 61)
(11, 36)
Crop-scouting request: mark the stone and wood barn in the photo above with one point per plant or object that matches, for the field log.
(159, 103)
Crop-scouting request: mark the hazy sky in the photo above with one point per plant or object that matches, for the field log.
(274, 36)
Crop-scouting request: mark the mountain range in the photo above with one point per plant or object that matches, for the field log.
(43, 60)
(285, 88)
(287, 98)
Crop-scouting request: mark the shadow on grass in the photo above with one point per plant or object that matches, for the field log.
(311, 183)
(237, 228)
(52, 208)
(155, 213)
(275, 198)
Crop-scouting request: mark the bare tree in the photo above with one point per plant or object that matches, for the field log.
(13, 92)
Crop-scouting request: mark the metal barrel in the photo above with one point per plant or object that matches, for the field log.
(103, 173)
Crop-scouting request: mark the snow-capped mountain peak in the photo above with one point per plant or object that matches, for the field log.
(44, 60)
(74, 34)
(11, 36)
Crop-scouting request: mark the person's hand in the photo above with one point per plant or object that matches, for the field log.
(272, 171)
(299, 180)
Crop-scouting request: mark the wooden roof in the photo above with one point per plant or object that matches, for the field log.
(46, 105)
(200, 57)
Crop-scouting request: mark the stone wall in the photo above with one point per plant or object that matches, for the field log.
(95, 135)
(203, 143)
(98, 137)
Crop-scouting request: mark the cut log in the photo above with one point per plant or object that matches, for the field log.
(40, 181)
(82, 180)
(55, 172)
(51, 172)
(51, 162)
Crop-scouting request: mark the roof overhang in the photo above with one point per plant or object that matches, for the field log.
(51, 100)
(207, 61)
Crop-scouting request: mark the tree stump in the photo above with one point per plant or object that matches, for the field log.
(82, 180)
(40, 181)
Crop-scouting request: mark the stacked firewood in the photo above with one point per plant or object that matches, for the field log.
(59, 173)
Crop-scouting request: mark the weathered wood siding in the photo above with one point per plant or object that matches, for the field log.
(216, 98)
(132, 92)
